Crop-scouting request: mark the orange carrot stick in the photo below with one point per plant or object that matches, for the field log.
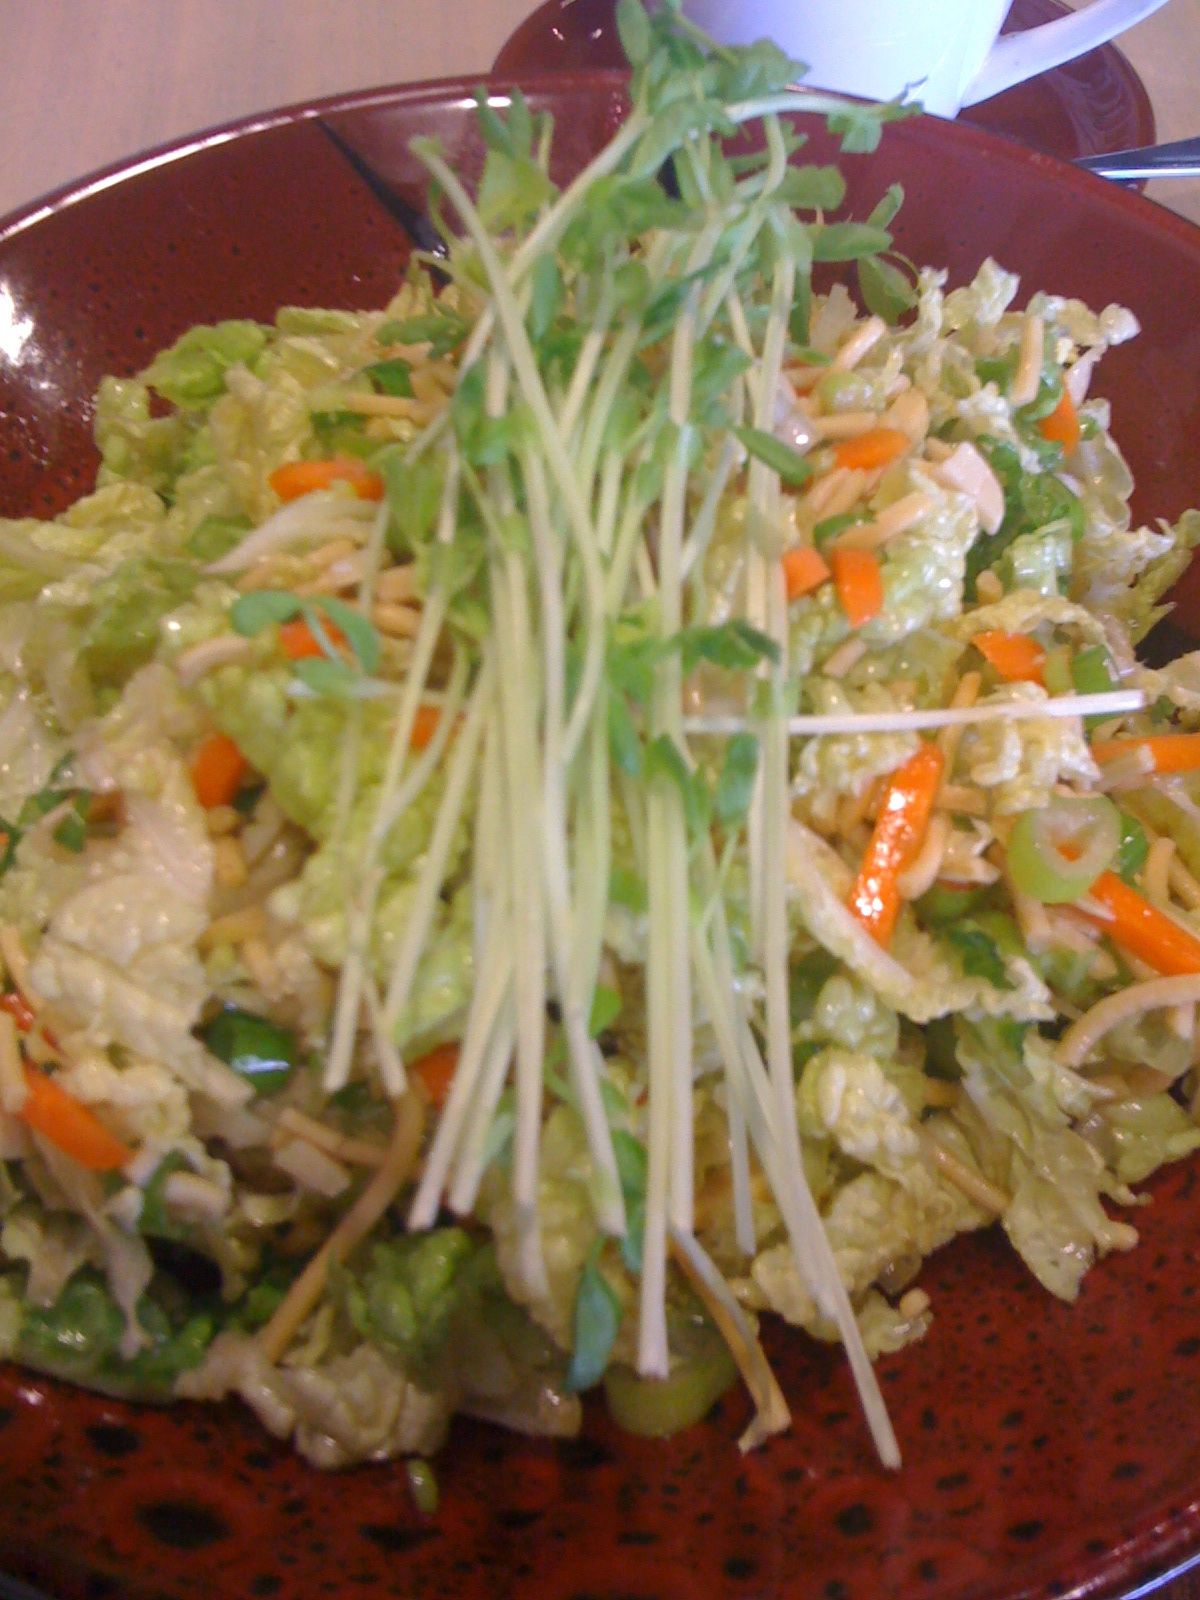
(804, 569)
(1171, 752)
(435, 1072)
(218, 767)
(1062, 425)
(1144, 930)
(858, 578)
(295, 478)
(425, 725)
(1015, 656)
(297, 639)
(900, 828)
(875, 448)
(69, 1124)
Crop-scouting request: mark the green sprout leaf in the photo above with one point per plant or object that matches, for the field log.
(886, 291)
(633, 30)
(735, 645)
(735, 783)
(392, 377)
(443, 330)
(262, 608)
(606, 1008)
(596, 1321)
(791, 466)
(848, 241)
(665, 761)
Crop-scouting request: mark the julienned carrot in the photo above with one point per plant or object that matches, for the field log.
(804, 569)
(69, 1124)
(18, 1009)
(872, 449)
(900, 828)
(295, 478)
(1144, 930)
(1170, 752)
(858, 578)
(425, 725)
(297, 639)
(435, 1072)
(1062, 425)
(1015, 656)
(218, 767)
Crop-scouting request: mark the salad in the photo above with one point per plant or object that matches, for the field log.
(609, 798)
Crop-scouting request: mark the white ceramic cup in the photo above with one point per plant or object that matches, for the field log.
(945, 53)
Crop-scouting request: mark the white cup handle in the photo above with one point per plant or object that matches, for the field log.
(1018, 56)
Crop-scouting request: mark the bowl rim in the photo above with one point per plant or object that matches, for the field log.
(76, 191)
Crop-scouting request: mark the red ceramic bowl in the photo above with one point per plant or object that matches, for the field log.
(1049, 1450)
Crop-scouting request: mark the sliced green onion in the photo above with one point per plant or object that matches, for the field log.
(947, 902)
(597, 1318)
(393, 377)
(655, 1408)
(253, 1046)
(1090, 671)
(1133, 849)
(1090, 674)
(1057, 853)
(829, 527)
(423, 1484)
(1057, 671)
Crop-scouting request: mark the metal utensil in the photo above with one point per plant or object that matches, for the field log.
(1181, 159)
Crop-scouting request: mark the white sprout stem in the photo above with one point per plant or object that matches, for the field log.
(376, 543)
(605, 393)
(780, 1149)
(429, 761)
(391, 1068)
(470, 1163)
(574, 999)
(653, 1357)
(395, 796)
(520, 695)
(608, 503)
(360, 911)
(493, 983)
(676, 911)
(460, 770)
(351, 751)
(593, 855)
(744, 1230)
(629, 546)
(562, 472)
(705, 521)
(487, 876)
(806, 1233)
(1114, 703)
(583, 376)
(771, 1409)
(773, 795)
(670, 1155)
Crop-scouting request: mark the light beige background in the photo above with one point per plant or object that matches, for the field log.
(87, 82)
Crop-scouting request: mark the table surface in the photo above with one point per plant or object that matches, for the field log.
(155, 70)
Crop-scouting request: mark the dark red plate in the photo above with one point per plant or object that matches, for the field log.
(1049, 1450)
(1089, 106)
